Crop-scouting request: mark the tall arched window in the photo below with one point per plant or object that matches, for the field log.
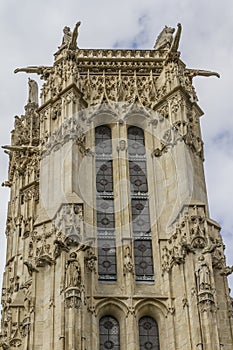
(109, 333)
(105, 205)
(139, 205)
(148, 334)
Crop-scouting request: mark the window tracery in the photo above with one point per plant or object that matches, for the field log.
(109, 333)
(148, 334)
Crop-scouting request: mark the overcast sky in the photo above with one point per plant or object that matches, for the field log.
(31, 31)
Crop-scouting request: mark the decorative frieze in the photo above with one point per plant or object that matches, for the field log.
(69, 221)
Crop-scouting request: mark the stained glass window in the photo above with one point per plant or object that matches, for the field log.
(140, 205)
(148, 334)
(109, 333)
(105, 205)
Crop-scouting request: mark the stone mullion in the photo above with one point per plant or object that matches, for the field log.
(208, 319)
(151, 179)
(119, 220)
(213, 312)
(192, 307)
(90, 277)
(132, 332)
(32, 316)
(62, 306)
(187, 300)
(230, 315)
(171, 316)
(52, 305)
(125, 217)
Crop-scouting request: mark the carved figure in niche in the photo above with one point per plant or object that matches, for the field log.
(7, 310)
(196, 229)
(165, 38)
(30, 249)
(166, 259)
(27, 301)
(33, 91)
(128, 265)
(90, 260)
(122, 146)
(73, 272)
(203, 274)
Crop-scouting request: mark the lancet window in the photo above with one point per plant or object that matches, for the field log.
(109, 333)
(140, 205)
(148, 334)
(105, 205)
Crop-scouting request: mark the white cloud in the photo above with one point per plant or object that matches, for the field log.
(32, 31)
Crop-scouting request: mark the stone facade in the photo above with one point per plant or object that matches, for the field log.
(54, 296)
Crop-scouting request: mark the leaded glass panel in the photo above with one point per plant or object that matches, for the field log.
(140, 217)
(148, 334)
(105, 216)
(104, 178)
(107, 259)
(109, 333)
(136, 145)
(143, 259)
(138, 178)
(103, 140)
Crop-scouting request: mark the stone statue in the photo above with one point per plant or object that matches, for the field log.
(73, 272)
(164, 39)
(90, 259)
(33, 91)
(203, 274)
(66, 37)
(128, 264)
(70, 38)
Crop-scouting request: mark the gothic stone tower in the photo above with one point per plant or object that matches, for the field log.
(109, 240)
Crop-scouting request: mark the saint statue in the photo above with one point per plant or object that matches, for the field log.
(33, 91)
(73, 272)
(203, 274)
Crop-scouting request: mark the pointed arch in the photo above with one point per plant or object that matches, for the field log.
(148, 333)
(109, 333)
(141, 226)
